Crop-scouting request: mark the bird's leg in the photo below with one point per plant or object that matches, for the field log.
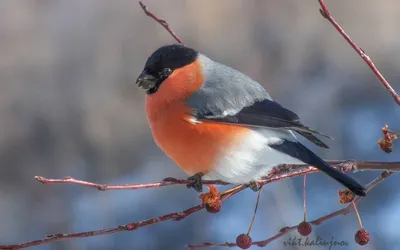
(254, 186)
(197, 183)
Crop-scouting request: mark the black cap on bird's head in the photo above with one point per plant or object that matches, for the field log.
(162, 63)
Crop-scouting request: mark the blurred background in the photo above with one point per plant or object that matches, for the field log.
(69, 106)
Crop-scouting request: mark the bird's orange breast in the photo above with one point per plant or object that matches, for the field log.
(195, 147)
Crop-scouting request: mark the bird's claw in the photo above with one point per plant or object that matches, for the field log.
(196, 182)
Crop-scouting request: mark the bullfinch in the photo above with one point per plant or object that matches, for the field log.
(217, 123)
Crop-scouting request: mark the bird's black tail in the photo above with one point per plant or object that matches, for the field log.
(299, 151)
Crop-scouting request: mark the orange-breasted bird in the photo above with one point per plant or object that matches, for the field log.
(216, 123)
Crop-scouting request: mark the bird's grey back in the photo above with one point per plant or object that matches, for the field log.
(225, 90)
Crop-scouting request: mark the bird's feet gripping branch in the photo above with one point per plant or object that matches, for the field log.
(197, 182)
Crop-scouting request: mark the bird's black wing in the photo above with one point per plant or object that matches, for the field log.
(266, 113)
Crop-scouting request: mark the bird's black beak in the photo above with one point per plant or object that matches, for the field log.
(146, 81)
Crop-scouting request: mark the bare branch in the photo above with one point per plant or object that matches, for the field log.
(162, 22)
(103, 187)
(279, 173)
(127, 227)
(326, 14)
(304, 198)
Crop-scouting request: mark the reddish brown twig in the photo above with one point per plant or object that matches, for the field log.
(316, 222)
(326, 14)
(127, 227)
(279, 173)
(357, 214)
(230, 192)
(162, 22)
(255, 211)
(290, 171)
(103, 187)
(282, 172)
(304, 198)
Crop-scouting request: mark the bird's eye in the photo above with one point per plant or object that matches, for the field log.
(165, 72)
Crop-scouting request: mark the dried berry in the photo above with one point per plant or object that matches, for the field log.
(212, 200)
(244, 241)
(386, 144)
(304, 228)
(346, 196)
(362, 237)
(214, 207)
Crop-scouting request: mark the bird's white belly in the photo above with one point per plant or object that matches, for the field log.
(252, 158)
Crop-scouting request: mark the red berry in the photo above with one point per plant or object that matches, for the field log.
(304, 228)
(214, 207)
(243, 241)
(362, 237)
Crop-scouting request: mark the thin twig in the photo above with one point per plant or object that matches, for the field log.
(357, 213)
(128, 227)
(103, 187)
(304, 198)
(230, 192)
(279, 173)
(162, 22)
(178, 216)
(255, 211)
(326, 14)
(316, 222)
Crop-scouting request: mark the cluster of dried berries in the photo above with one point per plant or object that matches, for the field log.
(386, 144)
(212, 200)
(346, 196)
